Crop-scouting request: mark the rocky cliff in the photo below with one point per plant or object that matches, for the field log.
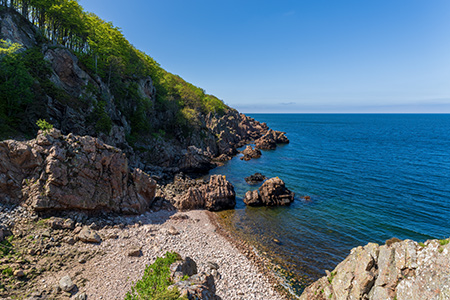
(159, 140)
(57, 172)
(400, 270)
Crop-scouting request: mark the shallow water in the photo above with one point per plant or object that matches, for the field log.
(370, 178)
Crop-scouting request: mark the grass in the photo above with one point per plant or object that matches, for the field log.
(444, 242)
(156, 280)
(330, 279)
(422, 245)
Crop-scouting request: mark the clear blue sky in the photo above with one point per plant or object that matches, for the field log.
(298, 56)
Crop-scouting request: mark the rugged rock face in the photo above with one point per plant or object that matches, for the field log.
(402, 270)
(215, 195)
(250, 153)
(197, 286)
(273, 192)
(57, 172)
(270, 140)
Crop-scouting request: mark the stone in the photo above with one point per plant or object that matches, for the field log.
(250, 153)
(172, 231)
(270, 140)
(60, 223)
(134, 251)
(80, 296)
(198, 286)
(181, 268)
(217, 194)
(66, 284)
(2, 237)
(255, 178)
(252, 198)
(274, 192)
(74, 173)
(19, 273)
(402, 270)
(87, 235)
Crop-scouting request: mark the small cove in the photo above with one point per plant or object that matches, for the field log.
(370, 177)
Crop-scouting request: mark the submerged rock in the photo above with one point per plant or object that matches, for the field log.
(402, 270)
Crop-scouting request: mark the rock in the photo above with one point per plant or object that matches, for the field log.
(80, 296)
(60, 223)
(274, 192)
(66, 284)
(215, 195)
(250, 153)
(252, 198)
(212, 265)
(1, 235)
(134, 251)
(172, 231)
(195, 160)
(181, 268)
(19, 273)
(402, 270)
(87, 235)
(270, 140)
(69, 240)
(57, 172)
(255, 178)
(199, 286)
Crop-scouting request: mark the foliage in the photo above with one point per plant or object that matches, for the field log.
(44, 126)
(444, 242)
(8, 47)
(155, 281)
(103, 51)
(6, 248)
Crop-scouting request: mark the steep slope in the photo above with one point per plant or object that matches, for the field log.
(163, 123)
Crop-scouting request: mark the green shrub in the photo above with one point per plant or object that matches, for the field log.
(44, 126)
(156, 280)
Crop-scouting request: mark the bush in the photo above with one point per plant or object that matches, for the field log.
(156, 280)
(44, 126)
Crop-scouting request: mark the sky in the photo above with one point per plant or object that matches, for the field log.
(303, 56)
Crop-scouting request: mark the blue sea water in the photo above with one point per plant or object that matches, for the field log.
(370, 177)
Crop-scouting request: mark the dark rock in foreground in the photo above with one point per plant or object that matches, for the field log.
(255, 178)
(217, 194)
(57, 172)
(272, 193)
(403, 270)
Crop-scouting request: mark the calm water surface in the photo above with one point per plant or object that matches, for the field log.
(370, 178)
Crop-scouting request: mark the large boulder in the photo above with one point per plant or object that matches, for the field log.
(195, 160)
(402, 270)
(57, 172)
(217, 194)
(273, 192)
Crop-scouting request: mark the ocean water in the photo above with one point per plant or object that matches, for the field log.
(370, 177)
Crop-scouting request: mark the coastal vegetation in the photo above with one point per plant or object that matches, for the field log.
(156, 280)
(103, 52)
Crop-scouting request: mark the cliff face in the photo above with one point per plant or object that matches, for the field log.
(398, 270)
(81, 103)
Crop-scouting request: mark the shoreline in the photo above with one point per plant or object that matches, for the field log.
(105, 271)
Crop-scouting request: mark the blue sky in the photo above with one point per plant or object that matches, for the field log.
(298, 56)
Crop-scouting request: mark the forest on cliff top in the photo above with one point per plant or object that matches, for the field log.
(104, 53)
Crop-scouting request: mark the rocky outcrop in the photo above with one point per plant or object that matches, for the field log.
(270, 140)
(197, 286)
(57, 172)
(401, 270)
(255, 178)
(250, 153)
(217, 194)
(273, 192)
(195, 160)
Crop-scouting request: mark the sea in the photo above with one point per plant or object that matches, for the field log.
(370, 177)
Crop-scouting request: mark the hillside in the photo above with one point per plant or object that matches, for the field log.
(79, 73)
